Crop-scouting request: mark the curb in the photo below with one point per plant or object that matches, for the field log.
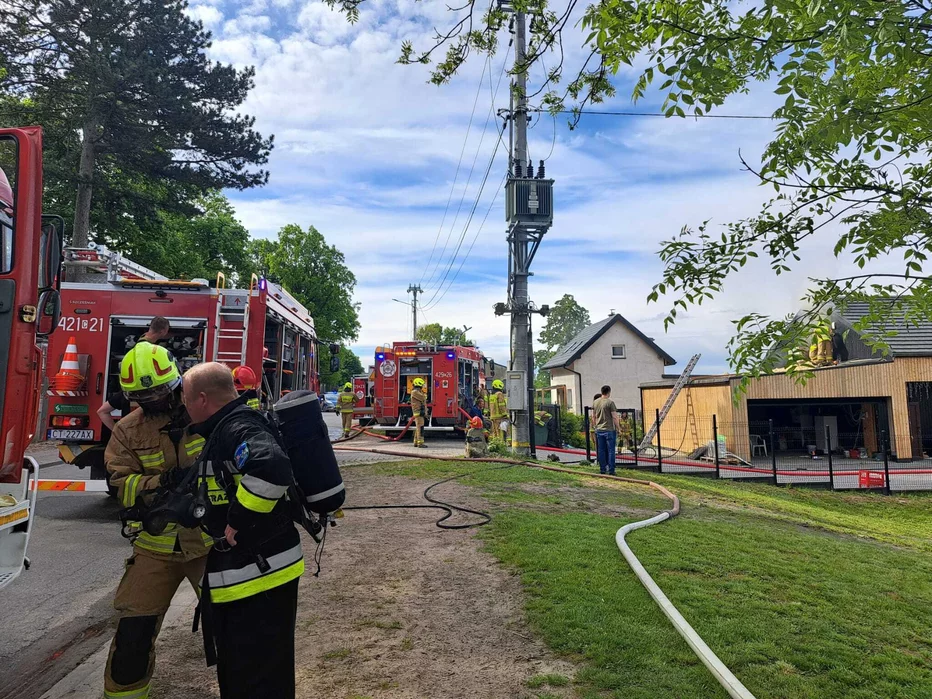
(86, 680)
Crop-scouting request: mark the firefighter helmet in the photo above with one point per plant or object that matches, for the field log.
(148, 373)
(419, 383)
(499, 384)
(348, 386)
(476, 423)
(244, 379)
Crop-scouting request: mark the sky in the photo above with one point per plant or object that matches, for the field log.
(388, 168)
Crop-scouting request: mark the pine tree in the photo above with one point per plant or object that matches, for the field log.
(131, 77)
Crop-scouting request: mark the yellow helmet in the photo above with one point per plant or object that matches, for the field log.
(499, 384)
(347, 386)
(148, 369)
(419, 383)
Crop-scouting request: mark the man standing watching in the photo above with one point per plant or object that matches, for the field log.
(606, 430)
(250, 590)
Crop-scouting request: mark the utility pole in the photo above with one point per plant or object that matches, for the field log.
(414, 289)
(529, 213)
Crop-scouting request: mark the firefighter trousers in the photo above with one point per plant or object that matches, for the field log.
(143, 597)
(419, 431)
(347, 423)
(255, 644)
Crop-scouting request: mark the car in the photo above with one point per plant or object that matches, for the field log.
(328, 403)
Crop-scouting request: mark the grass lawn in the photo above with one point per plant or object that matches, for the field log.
(801, 593)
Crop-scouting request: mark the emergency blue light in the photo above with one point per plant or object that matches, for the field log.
(262, 284)
(451, 355)
(379, 357)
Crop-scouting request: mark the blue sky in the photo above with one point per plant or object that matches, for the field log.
(367, 151)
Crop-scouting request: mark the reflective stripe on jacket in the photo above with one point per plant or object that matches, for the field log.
(248, 476)
(498, 405)
(139, 451)
(346, 401)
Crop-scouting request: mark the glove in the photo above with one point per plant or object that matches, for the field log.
(172, 478)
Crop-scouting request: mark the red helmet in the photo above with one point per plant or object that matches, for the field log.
(476, 423)
(244, 378)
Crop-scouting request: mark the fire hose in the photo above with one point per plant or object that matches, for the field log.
(731, 684)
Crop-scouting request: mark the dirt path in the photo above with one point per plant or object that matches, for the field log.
(402, 609)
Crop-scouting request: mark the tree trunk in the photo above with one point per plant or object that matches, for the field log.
(82, 207)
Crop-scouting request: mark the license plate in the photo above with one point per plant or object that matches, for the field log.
(71, 434)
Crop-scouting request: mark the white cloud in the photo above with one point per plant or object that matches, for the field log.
(366, 150)
(210, 16)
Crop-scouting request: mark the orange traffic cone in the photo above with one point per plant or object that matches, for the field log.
(69, 376)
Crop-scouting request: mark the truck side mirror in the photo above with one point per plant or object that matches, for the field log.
(49, 312)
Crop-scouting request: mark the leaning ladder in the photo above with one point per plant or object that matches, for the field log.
(677, 387)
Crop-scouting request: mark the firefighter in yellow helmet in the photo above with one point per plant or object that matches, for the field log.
(346, 401)
(498, 408)
(151, 448)
(419, 409)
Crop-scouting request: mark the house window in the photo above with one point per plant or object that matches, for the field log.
(618, 351)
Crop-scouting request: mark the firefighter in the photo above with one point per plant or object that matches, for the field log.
(542, 417)
(150, 448)
(498, 408)
(476, 445)
(250, 590)
(246, 383)
(419, 410)
(346, 401)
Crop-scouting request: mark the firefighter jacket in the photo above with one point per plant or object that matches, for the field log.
(542, 417)
(498, 405)
(248, 476)
(140, 450)
(418, 403)
(346, 401)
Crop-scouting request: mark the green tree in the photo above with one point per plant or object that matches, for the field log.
(848, 159)
(350, 366)
(436, 334)
(316, 274)
(128, 88)
(541, 357)
(567, 318)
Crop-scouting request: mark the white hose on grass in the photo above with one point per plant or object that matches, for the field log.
(725, 677)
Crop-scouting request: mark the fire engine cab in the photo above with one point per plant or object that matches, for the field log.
(454, 376)
(110, 305)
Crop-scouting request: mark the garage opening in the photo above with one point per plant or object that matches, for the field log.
(853, 425)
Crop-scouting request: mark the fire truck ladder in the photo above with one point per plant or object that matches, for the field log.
(677, 387)
(231, 324)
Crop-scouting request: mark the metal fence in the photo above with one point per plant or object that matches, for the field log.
(780, 454)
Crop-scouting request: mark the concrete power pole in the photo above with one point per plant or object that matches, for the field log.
(414, 289)
(529, 213)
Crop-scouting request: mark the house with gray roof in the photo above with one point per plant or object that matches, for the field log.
(610, 351)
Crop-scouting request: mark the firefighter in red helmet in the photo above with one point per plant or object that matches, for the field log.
(245, 381)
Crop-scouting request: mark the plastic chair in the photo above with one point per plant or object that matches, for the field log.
(758, 443)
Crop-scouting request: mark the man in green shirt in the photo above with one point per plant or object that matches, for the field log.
(605, 416)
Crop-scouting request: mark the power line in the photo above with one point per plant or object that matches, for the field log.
(655, 114)
(468, 180)
(459, 245)
(474, 239)
(488, 60)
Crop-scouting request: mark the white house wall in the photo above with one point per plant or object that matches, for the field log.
(597, 367)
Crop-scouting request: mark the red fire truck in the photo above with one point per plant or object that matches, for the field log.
(30, 259)
(453, 374)
(110, 306)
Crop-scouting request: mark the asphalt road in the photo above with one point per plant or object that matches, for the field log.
(59, 612)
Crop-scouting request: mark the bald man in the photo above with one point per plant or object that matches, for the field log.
(250, 590)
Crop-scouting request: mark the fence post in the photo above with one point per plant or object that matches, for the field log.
(659, 449)
(773, 453)
(634, 431)
(586, 423)
(828, 448)
(886, 462)
(718, 472)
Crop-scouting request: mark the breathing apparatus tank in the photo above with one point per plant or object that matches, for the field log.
(307, 440)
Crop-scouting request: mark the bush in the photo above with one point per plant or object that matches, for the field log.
(498, 446)
(571, 429)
